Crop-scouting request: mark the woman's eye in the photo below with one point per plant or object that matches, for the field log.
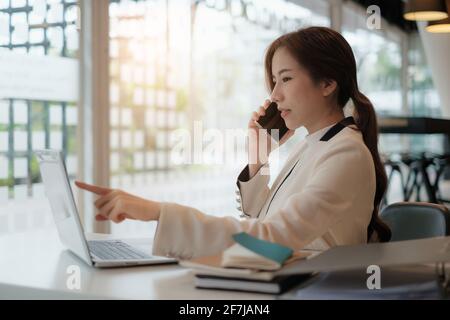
(285, 79)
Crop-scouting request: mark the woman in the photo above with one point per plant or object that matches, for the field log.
(328, 192)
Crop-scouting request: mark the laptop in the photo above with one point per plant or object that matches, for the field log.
(97, 253)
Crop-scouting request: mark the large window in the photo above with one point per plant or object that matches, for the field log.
(379, 60)
(38, 95)
(422, 96)
(149, 63)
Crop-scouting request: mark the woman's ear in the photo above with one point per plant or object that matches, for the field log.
(328, 87)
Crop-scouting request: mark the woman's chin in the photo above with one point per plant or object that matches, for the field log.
(293, 124)
(290, 125)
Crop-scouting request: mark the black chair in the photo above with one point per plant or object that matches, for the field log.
(393, 166)
(416, 220)
(441, 163)
(418, 177)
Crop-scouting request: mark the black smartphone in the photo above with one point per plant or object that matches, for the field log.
(273, 120)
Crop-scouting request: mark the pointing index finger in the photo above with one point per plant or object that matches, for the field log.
(92, 188)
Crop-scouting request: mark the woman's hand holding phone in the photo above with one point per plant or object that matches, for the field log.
(258, 154)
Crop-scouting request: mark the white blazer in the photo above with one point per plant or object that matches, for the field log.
(322, 197)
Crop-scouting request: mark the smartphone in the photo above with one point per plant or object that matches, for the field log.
(273, 120)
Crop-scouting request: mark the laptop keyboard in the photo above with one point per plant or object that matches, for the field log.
(115, 250)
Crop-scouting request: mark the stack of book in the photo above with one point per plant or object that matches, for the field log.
(250, 265)
(267, 284)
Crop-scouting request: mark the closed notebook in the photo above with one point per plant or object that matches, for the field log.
(277, 285)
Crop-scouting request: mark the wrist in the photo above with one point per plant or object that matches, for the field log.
(154, 210)
(158, 210)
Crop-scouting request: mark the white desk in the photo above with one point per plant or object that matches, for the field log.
(33, 265)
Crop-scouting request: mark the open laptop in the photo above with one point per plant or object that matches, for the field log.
(97, 253)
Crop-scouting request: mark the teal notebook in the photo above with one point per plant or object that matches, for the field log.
(254, 253)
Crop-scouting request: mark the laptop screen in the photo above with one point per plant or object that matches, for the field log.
(58, 191)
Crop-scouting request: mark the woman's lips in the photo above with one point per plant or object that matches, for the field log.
(284, 113)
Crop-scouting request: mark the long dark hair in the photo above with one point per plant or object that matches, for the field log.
(326, 55)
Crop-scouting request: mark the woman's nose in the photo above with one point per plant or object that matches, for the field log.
(276, 95)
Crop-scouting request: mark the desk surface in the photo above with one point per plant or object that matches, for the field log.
(34, 265)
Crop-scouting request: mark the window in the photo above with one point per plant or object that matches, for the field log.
(378, 55)
(378, 58)
(38, 95)
(423, 98)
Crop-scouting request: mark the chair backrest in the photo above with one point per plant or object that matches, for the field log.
(416, 220)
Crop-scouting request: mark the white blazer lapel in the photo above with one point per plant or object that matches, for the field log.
(290, 163)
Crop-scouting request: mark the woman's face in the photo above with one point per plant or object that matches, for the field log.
(301, 101)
